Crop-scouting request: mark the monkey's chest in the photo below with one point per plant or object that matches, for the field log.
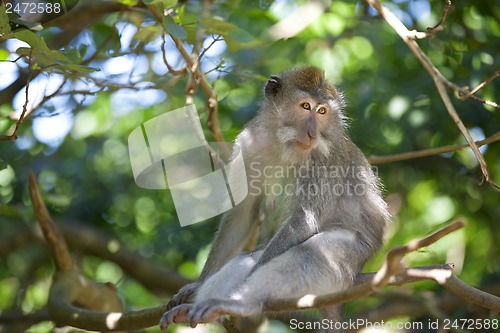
(276, 206)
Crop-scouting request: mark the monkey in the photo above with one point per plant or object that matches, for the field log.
(325, 212)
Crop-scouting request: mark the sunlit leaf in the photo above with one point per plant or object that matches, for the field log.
(73, 54)
(4, 22)
(217, 25)
(3, 54)
(105, 36)
(129, 2)
(173, 28)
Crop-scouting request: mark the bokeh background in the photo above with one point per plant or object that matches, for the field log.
(103, 73)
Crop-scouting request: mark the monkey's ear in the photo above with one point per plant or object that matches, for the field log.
(273, 86)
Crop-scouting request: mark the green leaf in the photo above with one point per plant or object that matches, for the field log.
(130, 2)
(78, 68)
(170, 3)
(3, 55)
(222, 88)
(4, 22)
(238, 38)
(218, 25)
(43, 56)
(31, 38)
(105, 36)
(161, 4)
(173, 28)
(147, 34)
(72, 54)
(240, 35)
(66, 59)
(3, 164)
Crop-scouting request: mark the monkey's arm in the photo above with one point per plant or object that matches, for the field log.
(233, 233)
(301, 226)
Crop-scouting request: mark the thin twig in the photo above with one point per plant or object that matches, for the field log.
(432, 31)
(480, 86)
(48, 97)
(439, 25)
(202, 53)
(171, 70)
(429, 152)
(14, 136)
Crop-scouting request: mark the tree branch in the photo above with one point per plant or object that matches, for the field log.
(480, 86)
(68, 287)
(200, 79)
(439, 26)
(65, 312)
(437, 77)
(86, 239)
(53, 236)
(429, 152)
(471, 294)
(13, 135)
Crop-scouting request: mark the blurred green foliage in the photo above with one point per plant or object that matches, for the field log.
(116, 80)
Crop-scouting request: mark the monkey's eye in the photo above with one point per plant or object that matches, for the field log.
(322, 110)
(306, 106)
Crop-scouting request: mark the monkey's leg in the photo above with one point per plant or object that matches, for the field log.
(235, 228)
(219, 286)
(325, 263)
(229, 278)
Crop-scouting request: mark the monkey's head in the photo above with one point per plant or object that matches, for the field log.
(305, 112)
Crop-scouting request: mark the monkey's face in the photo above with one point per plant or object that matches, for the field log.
(304, 112)
(304, 126)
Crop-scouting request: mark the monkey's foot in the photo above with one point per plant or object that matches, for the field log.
(183, 295)
(175, 315)
(210, 310)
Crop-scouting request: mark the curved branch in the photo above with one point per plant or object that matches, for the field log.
(148, 273)
(366, 284)
(471, 294)
(480, 86)
(72, 315)
(85, 239)
(68, 287)
(53, 236)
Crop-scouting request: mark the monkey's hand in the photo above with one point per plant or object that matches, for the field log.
(183, 295)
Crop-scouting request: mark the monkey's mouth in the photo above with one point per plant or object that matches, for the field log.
(304, 147)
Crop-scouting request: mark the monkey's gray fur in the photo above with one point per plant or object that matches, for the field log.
(326, 222)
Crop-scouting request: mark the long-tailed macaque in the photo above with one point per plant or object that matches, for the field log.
(323, 207)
